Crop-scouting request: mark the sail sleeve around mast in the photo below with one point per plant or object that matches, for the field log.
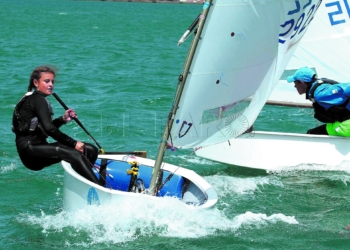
(169, 123)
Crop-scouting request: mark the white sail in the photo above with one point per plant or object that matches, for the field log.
(324, 48)
(244, 47)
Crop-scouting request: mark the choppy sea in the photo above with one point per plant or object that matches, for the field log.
(118, 65)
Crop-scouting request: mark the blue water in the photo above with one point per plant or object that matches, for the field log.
(118, 65)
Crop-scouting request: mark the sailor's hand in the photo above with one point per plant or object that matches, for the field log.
(80, 146)
(69, 115)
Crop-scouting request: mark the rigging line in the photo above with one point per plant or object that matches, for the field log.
(172, 173)
(170, 136)
(169, 177)
(170, 116)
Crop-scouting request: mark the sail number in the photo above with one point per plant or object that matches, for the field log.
(336, 16)
(291, 27)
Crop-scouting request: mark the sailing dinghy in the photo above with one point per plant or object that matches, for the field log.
(325, 49)
(184, 185)
(126, 176)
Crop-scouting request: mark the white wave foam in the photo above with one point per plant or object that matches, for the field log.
(343, 167)
(339, 177)
(11, 167)
(167, 218)
(250, 218)
(58, 192)
(227, 185)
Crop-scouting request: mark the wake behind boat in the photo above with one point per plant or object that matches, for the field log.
(323, 48)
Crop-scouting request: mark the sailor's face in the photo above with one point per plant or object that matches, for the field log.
(300, 86)
(46, 83)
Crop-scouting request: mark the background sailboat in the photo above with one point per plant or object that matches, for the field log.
(323, 48)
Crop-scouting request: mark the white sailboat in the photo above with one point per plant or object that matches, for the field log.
(324, 48)
(125, 176)
(185, 185)
(239, 48)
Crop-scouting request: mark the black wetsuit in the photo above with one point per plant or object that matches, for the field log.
(36, 153)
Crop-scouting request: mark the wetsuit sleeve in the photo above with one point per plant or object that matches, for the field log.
(58, 122)
(41, 109)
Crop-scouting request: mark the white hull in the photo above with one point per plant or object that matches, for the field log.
(79, 192)
(277, 151)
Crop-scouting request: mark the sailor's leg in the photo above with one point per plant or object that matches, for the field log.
(91, 152)
(320, 130)
(55, 152)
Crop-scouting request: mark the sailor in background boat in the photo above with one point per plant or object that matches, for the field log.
(330, 101)
(32, 123)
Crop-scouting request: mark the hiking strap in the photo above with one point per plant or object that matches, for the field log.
(103, 171)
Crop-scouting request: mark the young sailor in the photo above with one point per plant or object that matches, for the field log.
(330, 101)
(32, 123)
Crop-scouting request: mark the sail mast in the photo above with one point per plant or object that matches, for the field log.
(180, 87)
